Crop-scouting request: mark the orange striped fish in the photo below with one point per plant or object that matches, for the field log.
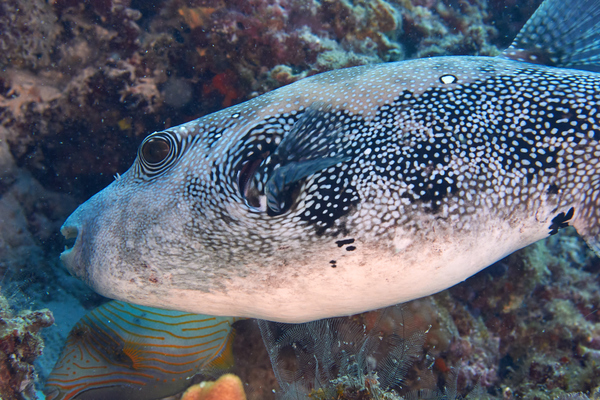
(125, 351)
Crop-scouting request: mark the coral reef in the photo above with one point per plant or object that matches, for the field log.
(227, 387)
(110, 72)
(29, 31)
(82, 83)
(543, 310)
(20, 345)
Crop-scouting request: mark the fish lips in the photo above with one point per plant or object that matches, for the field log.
(71, 257)
(83, 229)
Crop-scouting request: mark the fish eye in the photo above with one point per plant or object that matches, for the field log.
(155, 150)
(158, 152)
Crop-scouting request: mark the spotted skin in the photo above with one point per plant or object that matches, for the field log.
(444, 165)
(123, 351)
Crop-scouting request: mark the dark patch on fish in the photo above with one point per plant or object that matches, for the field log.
(561, 221)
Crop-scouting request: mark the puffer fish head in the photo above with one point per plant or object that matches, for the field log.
(232, 198)
(124, 351)
(357, 188)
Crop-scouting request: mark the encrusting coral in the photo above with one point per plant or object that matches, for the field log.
(227, 387)
(122, 68)
(20, 345)
(83, 82)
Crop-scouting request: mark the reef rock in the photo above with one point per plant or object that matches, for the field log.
(20, 345)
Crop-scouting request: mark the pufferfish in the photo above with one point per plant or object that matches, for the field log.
(358, 188)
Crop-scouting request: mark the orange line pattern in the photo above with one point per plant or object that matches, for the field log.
(126, 351)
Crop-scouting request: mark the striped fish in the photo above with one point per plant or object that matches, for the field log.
(124, 351)
(358, 188)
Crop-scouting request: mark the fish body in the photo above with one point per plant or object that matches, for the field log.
(124, 351)
(357, 188)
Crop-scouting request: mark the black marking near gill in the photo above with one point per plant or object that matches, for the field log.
(561, 221)
(317, 141)
(275, 158)
(437, 148)
(251, 160)
(552, 189)
(344, 242)
(243, 165)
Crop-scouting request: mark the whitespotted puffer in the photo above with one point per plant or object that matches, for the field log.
(358, 188)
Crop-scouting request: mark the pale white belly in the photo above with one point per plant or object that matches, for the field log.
(369, 278)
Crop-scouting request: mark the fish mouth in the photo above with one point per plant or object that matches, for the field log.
(71, 257)
(70, 234)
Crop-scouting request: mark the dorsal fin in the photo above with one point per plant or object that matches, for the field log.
(560, 34)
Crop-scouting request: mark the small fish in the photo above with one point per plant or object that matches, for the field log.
(358, 188)
(124, 351)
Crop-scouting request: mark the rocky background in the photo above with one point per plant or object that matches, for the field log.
(83, 82)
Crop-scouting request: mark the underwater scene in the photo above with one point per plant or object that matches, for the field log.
(193, 207)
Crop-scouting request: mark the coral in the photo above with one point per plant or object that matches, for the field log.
(441, 28)
(540, 304)
(580, 396)
(83, 82)
(113, 73)
(20, 345)
(227, 387)
(29, 30)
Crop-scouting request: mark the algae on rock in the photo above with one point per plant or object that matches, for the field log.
(20, 344)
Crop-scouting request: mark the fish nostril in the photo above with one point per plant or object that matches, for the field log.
(70, 233)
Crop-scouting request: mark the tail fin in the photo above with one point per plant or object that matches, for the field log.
(561, 34)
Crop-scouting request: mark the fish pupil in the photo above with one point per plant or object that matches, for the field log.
(156, 150)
